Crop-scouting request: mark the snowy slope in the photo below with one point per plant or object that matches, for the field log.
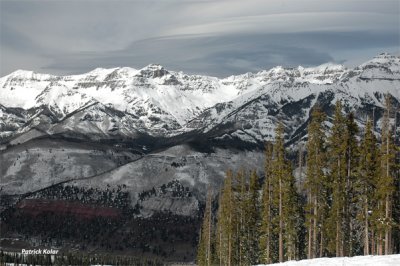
(389, 260)
(153, 88)
(166, 103)
(125, 102)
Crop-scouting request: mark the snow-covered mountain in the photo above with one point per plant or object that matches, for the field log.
(164, 103)
(168, 125)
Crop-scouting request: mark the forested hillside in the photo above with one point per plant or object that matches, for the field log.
(343, 201)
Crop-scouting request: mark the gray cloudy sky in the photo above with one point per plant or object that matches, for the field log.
(219, 38)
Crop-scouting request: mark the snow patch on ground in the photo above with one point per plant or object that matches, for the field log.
(388, 260)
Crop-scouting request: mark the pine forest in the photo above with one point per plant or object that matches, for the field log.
(339, 196)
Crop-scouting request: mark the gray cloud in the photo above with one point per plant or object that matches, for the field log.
(210, 37)
(230, 54)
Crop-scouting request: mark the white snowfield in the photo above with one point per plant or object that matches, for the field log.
(387, 260)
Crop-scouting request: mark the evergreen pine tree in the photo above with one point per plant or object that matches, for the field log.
(285, 200)
(291, 214)
(201, 253)
(241, 213)
(337, 184)
(204, 255)
(219, 256)
(365, 185)
(278, 175)
(385, 186)
(396, 195)
(253, 219)
(226, 223)
(351, 224)
(267, 238)
(316, 185)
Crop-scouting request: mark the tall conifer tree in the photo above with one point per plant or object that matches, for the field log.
(278, 175)
(337, 184)
(385, 186)
(226, 222)
(267, 238)
(204, 254)
(241, 214)
(284, 199)
(365, 185)
(351, 226)
(253, 222)
(316, 185)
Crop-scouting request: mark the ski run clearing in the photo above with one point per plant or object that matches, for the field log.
(388, 260)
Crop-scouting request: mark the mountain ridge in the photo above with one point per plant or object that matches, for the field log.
(166, 103)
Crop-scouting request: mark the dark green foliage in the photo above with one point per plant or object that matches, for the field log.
(385, 189)
(348, 205)
(206, 246)
(364, 186)
(317, 186)
(337, 185)
(252, 225)
(267, 236)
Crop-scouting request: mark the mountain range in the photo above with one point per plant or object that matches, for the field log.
(147, 127)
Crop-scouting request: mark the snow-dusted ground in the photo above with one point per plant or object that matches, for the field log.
(388, 260)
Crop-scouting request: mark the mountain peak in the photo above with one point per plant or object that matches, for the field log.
(385, 55)
(383, 66)
(153, 71)
(324, 68)
(22, 73)
(25, 75)
(154, 65)
(383, 58)
(323, 74)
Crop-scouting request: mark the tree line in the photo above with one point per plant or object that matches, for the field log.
(344, 200)
(83, 259)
